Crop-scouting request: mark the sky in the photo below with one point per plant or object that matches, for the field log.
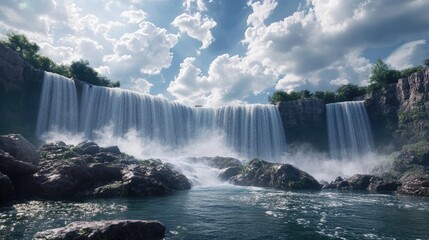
(223, 52)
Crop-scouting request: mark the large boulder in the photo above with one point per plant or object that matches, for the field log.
(106, 230)
(74, 171)
(364, 182)
(7, 190)
(260, 173)
(228, 173)
(20, 148)
(11, 166)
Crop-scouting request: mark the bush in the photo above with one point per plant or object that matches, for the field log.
(426, 62)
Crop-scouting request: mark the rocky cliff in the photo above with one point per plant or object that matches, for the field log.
(399, 113)
(20, 86)
(304, 121)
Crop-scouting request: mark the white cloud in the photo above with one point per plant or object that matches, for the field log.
(229, 80)
(261, 11)
(198, 4)
(146, 50)
(196, 26)
(139, 84)
(405, 55)
(134, 16)
(322, 45)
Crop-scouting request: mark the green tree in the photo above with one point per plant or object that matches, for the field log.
(349, 91)
(21, 44)
(326, 96)
(381, 75)
(408, 71)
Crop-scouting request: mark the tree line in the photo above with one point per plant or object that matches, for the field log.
(381, 75)
(79, 69)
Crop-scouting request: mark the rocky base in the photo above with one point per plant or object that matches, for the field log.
(260, 173)
(86, 170)
(106, 230)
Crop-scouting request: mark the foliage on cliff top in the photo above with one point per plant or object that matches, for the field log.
(346, 92)
(77, 70)
(382, 75)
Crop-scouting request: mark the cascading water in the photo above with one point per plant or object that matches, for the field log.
(58, 109)
(250, 130)
(349, 130)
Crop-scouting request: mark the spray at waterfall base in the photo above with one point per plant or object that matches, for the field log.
(149, 127)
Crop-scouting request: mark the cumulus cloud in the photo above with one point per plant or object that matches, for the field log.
(229, 80)
(198, 4)
(134, 16)
(196, 26)
(405, 55)
(322, 45)
(139, 84)
(146, 50)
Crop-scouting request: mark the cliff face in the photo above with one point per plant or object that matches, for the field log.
(20, 86)
(399, 113)
(304, 121)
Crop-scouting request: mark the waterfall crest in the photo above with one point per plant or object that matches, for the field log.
(349, 130)
(250, 130)
(58, 108)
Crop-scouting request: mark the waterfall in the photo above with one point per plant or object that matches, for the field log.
(249, 130)
(349, 130)
(58, 108)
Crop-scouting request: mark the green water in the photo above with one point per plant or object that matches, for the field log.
(228, 212)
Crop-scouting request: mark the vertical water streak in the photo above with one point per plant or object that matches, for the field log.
(349, 131)
(58, 108)
(250, 130)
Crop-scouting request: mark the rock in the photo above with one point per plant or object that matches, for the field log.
(7, 190)
(260, 173)
(20, 148)
(304, 121)
(86, 144)
(68, 172)
(91, 150)
(359, 181)
(378, 184)
(414, 183)
(63, 178)
(111, 149)
(159, 179)
(103, 174)
(228, 173)
(11, 166)
(106, 230)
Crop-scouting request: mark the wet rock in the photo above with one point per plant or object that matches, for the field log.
(103, 173)
(20, 148)
(11, 166)
(414, 185)
(228, 173)
(7, 190)
(274, 175)
(111, 149)
(106, 230)
(159, 179)
(90, 150)
(359, 181)
(378, 184)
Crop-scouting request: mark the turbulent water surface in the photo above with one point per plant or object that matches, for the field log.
(227, 212)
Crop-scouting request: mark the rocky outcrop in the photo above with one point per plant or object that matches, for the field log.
(88, 170)
(260, 173)
(106, 230)
(20, 86)
(20, 148)
(230, 172)
(304, 121)
(18, 160)
(364, 182)
(7, 191)
(400, 112)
